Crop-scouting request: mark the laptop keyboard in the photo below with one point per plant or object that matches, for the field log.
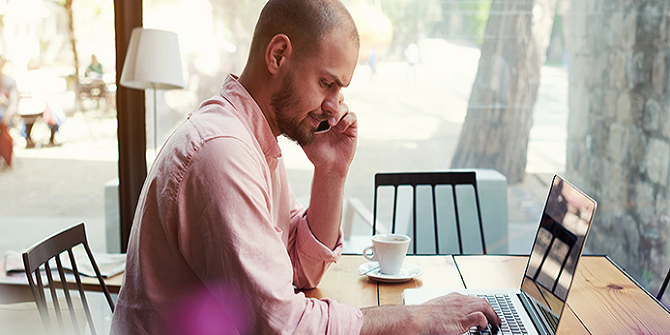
(551, 318)
(511, 322)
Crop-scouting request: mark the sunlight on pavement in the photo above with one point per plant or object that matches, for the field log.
(81, 137)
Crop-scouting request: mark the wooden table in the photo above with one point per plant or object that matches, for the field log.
(15, 288)
(603, 300)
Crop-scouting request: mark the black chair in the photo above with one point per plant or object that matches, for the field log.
(431, 179)
(663, 286)
(38, 261)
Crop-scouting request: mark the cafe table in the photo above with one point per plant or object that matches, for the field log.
(14, 288)
(603, 299)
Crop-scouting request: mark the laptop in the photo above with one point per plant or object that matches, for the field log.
(536, 307)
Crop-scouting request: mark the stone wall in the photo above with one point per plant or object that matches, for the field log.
(619, 128)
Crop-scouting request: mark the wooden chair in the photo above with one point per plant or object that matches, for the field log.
(38, 261)
(432, 179)
(663, 286)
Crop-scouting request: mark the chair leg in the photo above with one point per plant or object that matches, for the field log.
(481, 223)
(458, 222)
(374, 214)
(395, 207)
(414, 219)
(437, 236)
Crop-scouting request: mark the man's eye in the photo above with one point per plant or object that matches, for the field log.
(325, 84)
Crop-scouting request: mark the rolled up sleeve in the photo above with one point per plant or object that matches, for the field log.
(218, 239)
(235, 245)
(309, 256)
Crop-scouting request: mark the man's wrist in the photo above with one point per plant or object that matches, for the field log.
(390, 320)
(330, 173)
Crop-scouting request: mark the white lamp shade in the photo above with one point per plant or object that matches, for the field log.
(153, 60)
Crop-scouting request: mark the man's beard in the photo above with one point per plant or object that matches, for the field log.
(283, 104)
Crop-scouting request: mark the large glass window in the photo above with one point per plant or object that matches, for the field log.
(64, 131)
(411, 91)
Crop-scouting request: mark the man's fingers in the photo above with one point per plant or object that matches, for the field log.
(349, 119)
(483, 306)
(476, 319)
(342, 111)
(483, 314)
(491, 315)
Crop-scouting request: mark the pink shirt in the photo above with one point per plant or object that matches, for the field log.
(219, 240)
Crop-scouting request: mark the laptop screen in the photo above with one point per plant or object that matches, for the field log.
(558, 245)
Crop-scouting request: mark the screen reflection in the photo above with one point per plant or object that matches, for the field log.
(559, 243)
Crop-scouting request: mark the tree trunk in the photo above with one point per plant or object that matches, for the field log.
(497, 125)
(73, 41)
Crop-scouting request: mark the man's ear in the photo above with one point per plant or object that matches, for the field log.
(278, 49)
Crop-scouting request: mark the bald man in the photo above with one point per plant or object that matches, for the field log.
(219, 241)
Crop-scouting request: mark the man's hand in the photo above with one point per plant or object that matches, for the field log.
(456, 314)
(333, 151)
(450, 314)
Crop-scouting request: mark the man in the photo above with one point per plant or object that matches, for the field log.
(219, 240)
(94, 69)
(9, 100)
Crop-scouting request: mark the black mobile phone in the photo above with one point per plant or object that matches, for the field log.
(323, 127)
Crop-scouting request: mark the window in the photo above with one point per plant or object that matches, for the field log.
(53, 185)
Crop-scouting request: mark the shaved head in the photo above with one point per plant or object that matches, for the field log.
(305, 22)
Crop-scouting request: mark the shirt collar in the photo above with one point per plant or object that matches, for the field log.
(245, 105)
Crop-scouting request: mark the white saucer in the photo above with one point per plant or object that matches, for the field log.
(407, 272)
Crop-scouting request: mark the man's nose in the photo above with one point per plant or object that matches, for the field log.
(332, 105)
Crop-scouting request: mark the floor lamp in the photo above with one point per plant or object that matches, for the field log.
(153, 61)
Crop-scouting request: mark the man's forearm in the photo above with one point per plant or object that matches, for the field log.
(388, 320)
(325, 207)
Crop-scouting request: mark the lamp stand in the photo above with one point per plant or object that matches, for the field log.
(155, 126)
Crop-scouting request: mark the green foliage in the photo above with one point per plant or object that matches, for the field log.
(648, 279)
(464, 19)
(476, 25)
(411, 20)
(412, 17)
(451, 19)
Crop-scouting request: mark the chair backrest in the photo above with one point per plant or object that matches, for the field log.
(38, 261)
(432, 179)
(661, 291)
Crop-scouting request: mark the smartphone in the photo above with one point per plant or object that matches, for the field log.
(323, 127)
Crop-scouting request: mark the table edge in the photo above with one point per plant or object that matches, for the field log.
(613, 262)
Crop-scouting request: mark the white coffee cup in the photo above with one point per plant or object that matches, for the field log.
(389, 250)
